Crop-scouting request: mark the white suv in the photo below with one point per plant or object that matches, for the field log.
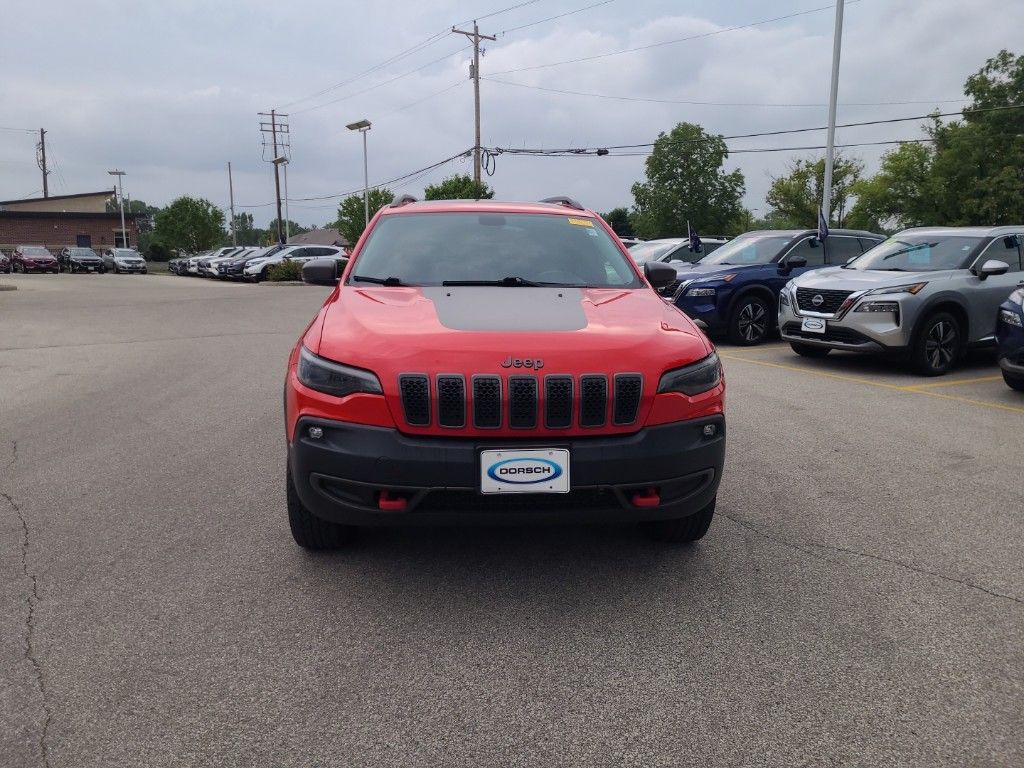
(257, 268)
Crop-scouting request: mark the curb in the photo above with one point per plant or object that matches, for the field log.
(8, 287)
(272, 283)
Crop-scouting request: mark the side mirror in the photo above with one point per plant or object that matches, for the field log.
(659, 274)
(322, 272)
(993, 267)
(794, 262)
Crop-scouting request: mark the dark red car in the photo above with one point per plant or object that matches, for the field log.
(483, 361)
(33, 258)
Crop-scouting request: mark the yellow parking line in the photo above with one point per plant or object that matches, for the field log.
(880, 385)
(953, 383)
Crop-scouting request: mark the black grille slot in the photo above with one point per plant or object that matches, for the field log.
(415, 390)
(593, 401)
(557, 402)
(830, 302)
(451, 401)
(842, 335)
(522, 402)
(628, 389)
(486, 402)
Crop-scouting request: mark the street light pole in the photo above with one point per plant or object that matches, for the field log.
(120, 203)
(363, 126)
(826, 196)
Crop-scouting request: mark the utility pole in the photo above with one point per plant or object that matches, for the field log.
(474, 75)
(826, 196)
(41, 161)
(231, 196)
(276, 127)
(120, 199)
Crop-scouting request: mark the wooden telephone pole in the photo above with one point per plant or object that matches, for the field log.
(474, 75)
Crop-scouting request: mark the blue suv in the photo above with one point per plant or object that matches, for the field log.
(734, 291)
(1010, 337)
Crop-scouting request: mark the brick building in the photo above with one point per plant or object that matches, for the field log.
(62, 220)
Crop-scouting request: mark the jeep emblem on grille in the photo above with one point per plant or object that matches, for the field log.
(818, 300)
(523, 362)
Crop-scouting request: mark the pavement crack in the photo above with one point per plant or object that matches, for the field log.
(33, 599)
(867, 555)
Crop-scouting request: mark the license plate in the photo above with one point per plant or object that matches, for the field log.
(91, 268)
(813, 325)
(544, 470)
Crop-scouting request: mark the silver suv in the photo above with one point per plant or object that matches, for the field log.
(927, 293)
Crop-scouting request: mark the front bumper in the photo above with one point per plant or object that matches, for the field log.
(1010, 339)
(340, 476)
(865, 332)
(704, 311)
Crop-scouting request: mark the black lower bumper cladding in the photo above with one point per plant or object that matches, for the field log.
(341, 475)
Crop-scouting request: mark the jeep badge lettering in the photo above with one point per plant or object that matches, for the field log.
(523, 362)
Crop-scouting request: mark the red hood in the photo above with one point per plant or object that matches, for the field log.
(472, 330)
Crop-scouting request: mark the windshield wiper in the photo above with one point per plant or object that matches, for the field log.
(510, 282)
(377, 280)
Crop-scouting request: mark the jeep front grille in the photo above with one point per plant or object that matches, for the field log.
(522, 401)
(830, 302)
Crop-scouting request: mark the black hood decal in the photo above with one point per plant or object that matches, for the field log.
(486, 308)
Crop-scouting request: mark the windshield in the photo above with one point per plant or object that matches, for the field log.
(83, 252)
(543, 249)
(645, 252)
(919, 253)
(35, 250)
(126, 253)
(749, 249)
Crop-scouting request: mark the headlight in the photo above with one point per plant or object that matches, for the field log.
(784, 297)
(693, 379)
(912, 289)
(701, 292)
(1010, 318)
(333, 378)
(878, 306)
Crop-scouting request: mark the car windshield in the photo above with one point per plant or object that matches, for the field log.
(919, 253)
(645, 252)
(35, 250)
(83, 252)
(748, 249)
(492, 248)
(126, 253)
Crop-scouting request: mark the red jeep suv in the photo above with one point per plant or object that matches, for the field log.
(481, 361)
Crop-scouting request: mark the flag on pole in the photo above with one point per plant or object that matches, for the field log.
(822, 225)
(695, 243)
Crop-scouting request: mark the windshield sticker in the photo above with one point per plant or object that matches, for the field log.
(581, 222)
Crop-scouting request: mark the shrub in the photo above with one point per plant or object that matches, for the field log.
(286, 270)
(158, 252)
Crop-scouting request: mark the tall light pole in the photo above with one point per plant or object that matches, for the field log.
(837, 42)
(287, 229)
(363, 126)
(120, 202)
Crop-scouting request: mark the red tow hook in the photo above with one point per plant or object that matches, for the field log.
(391, 503)
(648, 498)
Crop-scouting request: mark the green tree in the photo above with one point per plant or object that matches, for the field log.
(189, 224)
(686, 182)
(618, 220)
(458, 187)
(292, 229)
(797, 196)
(899, 195)
(351, 221)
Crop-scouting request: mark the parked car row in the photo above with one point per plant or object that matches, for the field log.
(249, 263)
(38, 258)
(926, 295)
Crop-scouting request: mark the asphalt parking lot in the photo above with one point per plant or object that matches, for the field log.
(859, 599)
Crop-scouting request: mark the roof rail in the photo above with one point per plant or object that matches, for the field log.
(403, 200)
(563, 200)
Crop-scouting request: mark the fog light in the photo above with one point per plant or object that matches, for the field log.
(316, 432)
(710, 430)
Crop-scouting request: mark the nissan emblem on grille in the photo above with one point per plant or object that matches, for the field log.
(818, 300)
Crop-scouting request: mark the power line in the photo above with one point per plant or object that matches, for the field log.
(552, 18)
(671, 42)
(717, 103)
(17, 130)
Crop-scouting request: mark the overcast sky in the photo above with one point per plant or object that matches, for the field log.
(169, 90)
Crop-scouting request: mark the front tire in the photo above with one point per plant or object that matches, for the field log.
(937, 346)
(750, 322)
(682, 530)
(808, 350)
(309, 531)
(1013, 381)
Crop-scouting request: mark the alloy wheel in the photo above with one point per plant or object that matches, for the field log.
(940, 345)
(753, 321)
